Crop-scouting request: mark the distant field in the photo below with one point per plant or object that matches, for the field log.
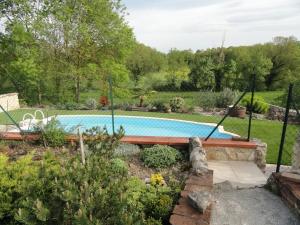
(191, 98)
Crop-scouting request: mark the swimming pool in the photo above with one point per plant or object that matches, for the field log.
(144, 126)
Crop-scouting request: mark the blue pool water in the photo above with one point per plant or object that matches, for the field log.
(143, 126)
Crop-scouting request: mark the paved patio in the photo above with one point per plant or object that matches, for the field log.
(241, 174)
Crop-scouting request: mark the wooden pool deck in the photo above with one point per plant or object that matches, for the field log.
(143, 140)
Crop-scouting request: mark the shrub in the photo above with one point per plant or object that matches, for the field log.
(118, 166)
(125, 149)
(176, 104)
(100, 141)
(226, 98)
(207, 100)
(160, 156)
(71, 106)
(259, 104)
(52, 134)
(91, 104)
(161, 106)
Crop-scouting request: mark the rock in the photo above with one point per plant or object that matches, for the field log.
(147, 180)
(198, 157)
(296, 156)
(200, 200)
(291, 177)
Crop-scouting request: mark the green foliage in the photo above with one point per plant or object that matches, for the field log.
(159, 105)
(226, 97)
(202, 75)
(54, 49)
(61, 190)
(155, 201)
(160, 156)
(207, 100)
(91, 104)
(52, 134)
(118, 166)
(259, 104)
(100, 141)
(176, 104)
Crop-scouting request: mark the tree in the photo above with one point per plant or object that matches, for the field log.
(202, 71)
(144, 60)
(56, 42)
(178, 67)
(284, 53)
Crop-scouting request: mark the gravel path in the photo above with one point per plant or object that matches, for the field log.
(250, 207)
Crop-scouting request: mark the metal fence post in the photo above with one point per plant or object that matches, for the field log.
(286, 117)
(251, 106)
(226, 115)
(112, 105)
(14, 122)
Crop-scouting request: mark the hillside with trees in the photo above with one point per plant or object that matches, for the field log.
(53, 51)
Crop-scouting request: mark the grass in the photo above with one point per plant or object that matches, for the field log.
(265, 130)
(191, 98)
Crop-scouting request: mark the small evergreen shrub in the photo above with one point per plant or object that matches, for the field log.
(91, 104)
(259, 104)
(207, 100)
(53, 134)
(118, 166)
(160, 156)
(100, 141)
(226, 98)
(159, 105)
(176, 104)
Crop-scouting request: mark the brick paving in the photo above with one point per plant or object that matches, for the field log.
(183, 213)
(289, 187)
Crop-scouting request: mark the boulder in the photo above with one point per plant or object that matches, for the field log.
(296, 156)
(200, 200)
(198, 157)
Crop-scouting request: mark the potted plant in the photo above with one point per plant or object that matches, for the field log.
(237, 111)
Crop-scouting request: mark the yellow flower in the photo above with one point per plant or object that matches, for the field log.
(156, 179)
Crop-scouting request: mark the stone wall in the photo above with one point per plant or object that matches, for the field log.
(296, 156)
(278, 113)
(257, 155)
(9, 101)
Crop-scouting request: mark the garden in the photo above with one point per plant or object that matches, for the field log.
(49, 182)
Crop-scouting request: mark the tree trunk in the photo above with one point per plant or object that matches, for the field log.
(218, 81)
(77, 89)
(39, 95)
(296, 156)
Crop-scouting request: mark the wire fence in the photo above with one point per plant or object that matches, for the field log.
(172, 114)
(291, 126)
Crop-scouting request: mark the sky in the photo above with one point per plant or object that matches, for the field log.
(201, 24)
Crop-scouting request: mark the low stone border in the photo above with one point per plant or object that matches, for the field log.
(287, 185)
(184, 213)
(199, 183)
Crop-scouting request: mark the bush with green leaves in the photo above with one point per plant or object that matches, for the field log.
(226, 98)
(100, 141)
(161, 106)
(91, 104)
(160, 156)
(61, 190)
(52, 134)
(259, 104)
(176, 104)
(207, 99)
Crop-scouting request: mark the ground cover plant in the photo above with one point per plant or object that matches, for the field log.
(59, 188)
(160, 156)
(265, 130)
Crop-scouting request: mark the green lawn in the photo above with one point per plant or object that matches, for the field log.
(267, 131)
(191, 98)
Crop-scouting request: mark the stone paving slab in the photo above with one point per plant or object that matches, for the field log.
(241, 174)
